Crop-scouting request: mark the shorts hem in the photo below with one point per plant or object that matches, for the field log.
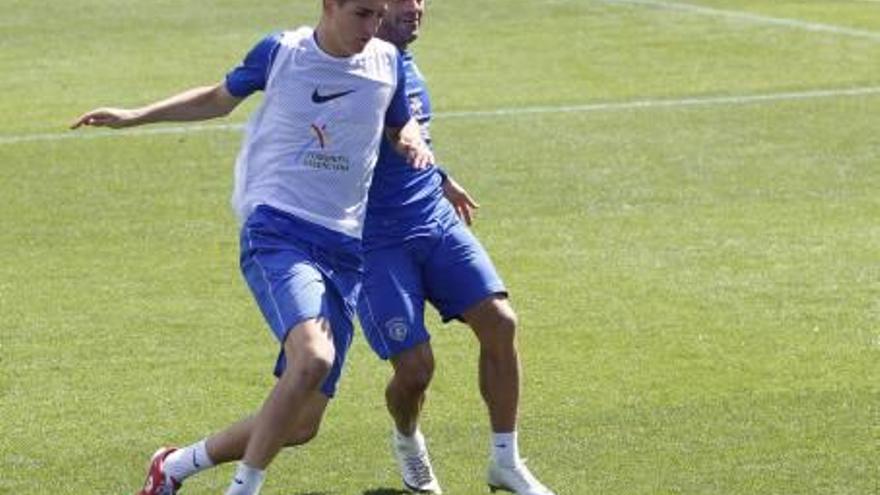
(401, 350)
(456, 313)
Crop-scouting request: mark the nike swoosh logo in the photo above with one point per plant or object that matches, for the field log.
(319, 98)
(238, 481)
(195, 461)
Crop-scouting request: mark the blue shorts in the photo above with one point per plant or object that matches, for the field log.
(297, 271)
(448, 268)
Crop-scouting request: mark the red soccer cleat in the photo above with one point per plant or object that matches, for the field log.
(158, 482)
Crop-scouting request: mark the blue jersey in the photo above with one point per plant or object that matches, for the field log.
(404, 202)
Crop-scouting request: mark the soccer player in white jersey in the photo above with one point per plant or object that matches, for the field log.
(417, 251)
(302, 178)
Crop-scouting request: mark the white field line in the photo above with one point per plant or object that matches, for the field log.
(682, 102)
(101, 133)
(755, 18)
(468, 114)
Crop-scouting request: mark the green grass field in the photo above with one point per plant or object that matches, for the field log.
(696, 270)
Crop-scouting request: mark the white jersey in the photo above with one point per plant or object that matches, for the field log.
(311, 147)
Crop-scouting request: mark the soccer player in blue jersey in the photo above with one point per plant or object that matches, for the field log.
(417, 250)
(302, 178)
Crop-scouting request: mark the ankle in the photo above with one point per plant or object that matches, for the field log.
(247, 480)
(413, 444)
(505, 449)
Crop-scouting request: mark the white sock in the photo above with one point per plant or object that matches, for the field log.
(411, 445)
(185, 462)
(505, 450)
(247, 480)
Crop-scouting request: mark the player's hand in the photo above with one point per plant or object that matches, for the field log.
(419, 155)
(464, 204)
(407, 140)
(106, 117)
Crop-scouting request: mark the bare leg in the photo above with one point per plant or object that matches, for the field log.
(494, 323)
(405, 393)
(405, 396)
(310, 352)
(229, 445)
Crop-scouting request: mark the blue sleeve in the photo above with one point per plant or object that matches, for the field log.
(253, 73)
(398, 111)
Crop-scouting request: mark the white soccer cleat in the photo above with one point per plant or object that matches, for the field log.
(517, 479)
(415, 468)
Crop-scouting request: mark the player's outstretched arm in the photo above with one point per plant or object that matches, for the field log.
(202, 103)
(407, 140)
(462, 202)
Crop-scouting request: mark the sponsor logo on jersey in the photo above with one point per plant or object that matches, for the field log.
(320, 133)
(321, 161)
(416, 105)
(319, 98)
(324, 161)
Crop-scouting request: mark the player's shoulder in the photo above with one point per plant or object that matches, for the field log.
(271, 42)
(382, 48)
(295, 37)
(386, 58)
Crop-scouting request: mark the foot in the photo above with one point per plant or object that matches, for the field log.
(158, 482)
(415, 468)
(516, 479)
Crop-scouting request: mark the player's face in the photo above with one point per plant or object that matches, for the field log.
(401, 25)
(355, 22)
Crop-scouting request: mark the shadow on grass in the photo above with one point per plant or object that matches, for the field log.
(374, 491)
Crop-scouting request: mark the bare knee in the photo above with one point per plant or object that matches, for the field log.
(309, 351)
(414, 369)
(309, 370)
(415, 379)
(494, 322)
(506, 322)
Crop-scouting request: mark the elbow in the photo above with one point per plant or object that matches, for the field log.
(220, 102)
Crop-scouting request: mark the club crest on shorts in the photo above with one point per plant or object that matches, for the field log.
(397, 328)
